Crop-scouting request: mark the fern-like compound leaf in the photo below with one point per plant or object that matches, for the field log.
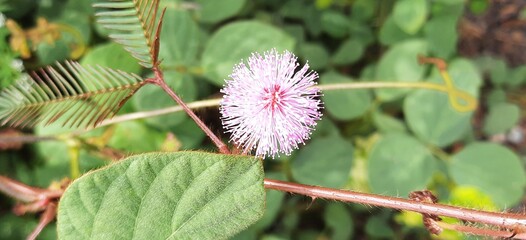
(70, 94)
(132, 24)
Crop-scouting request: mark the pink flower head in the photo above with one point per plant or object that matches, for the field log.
(268, 107)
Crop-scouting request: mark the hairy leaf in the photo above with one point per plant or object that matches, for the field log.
(77, 96)
(132, 24)
(182, 195)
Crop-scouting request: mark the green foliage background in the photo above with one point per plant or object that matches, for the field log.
(382, 141)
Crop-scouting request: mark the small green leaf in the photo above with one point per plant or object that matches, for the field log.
(441, 35)
(501, 118)
(111, 55)
(387, 123)
(349, 52)
(126, 140)
(399, 164)
(237, 41)
(315, 54)
(493, 169)
(344, 104)
(325, 161)
(335, 23)
(184, 195)
(390, 33)
(181, 38)
(410, 15)
(400, 64)
(213, 11)
(338, 219)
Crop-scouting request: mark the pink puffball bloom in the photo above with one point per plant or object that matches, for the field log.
(269, 107)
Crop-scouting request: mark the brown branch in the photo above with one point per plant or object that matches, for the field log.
(503, 220)
(24, 192)
(159, 80)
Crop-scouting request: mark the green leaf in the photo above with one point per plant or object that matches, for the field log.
(338, 219)
(441, 35)
(237, 41)
(165, 196)
(344, 104)
(131, 23)
(325, 161)
(49, 53)
(181, 37)
(499, 72)
(111, 55)
(126, 140)
(399, 164)
(315, 54)
(493, 169)
(349, 52)
(213, 11)
(335, 23)
(410, 15)
(390, 33)
(400, 64)
(501, 118)
(69, 94)
(378, 227)
(152, 97)
(387, 123)
(429, 114)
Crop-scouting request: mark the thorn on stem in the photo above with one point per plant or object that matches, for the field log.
(311, 202)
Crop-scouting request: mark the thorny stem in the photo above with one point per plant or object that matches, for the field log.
(504, 220)
(159, 80)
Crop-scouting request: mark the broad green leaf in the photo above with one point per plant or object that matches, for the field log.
(410, 15)
(152, 97)
(213, 11)
(494, 169)
(399, 164)
(335, 23)
(400, 64)
(501, 118)
(183, 195)
(315, 54)
(349, 52)
(499, 72)
(237, 41)
(429, 114)
(325, 161)
(181, 37)
(111, 55)
(338, 219)
(344, 104)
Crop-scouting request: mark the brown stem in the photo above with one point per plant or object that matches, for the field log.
(159, 80)
(25, 193)
(505, 220)
(45, 219)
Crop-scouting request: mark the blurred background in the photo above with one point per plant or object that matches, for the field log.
(382, 141)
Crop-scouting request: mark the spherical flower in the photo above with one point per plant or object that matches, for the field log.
(269, 107)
